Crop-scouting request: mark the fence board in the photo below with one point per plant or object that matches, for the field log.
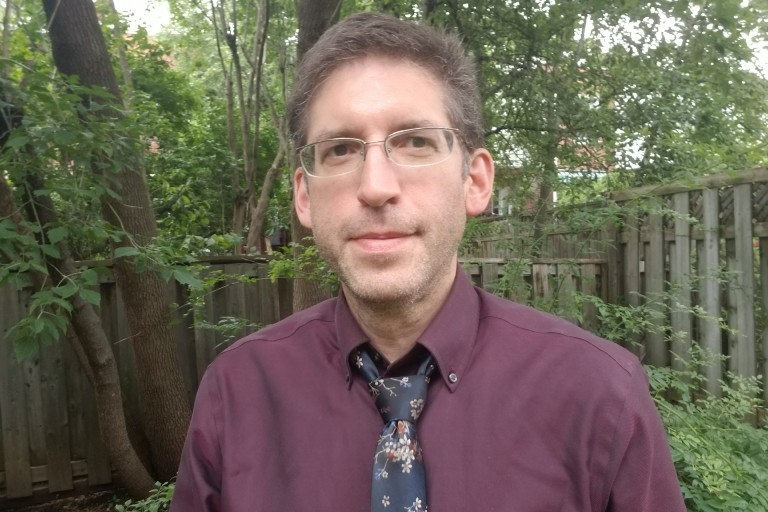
(34, 402)
(589, 287)
(205, 339)
(540, 279)
(233, 302)
(763, 247)
(75, 398)
(680, 276)
(709, 271)
(266, 300)
(54, 394)
(566, 290)
(490, 275)
(657, 352)
(18, 477)
(743, 357)
(184, 330)
(612, 276)
(99, 468)
(632, 276)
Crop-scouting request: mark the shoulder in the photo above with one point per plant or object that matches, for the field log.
(552, 338)
(312, 327)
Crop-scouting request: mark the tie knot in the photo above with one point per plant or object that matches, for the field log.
(397, 398)
(400, 398)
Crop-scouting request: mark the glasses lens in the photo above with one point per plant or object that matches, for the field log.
(420, 146)
(332, 157)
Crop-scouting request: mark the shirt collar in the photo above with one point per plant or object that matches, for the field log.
(450, 337)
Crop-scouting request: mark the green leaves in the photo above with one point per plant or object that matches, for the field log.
(126, 252)
(721, 458)
(159, 500)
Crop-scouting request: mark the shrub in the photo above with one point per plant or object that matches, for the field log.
(159, 499)
(720, 455)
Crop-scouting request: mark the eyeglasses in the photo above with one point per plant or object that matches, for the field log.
(415, 147)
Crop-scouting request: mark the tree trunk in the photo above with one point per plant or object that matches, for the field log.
(258, 205)
(79, 49)
(314, 18)
(260, 211)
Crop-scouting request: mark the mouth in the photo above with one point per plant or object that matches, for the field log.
(379, 242)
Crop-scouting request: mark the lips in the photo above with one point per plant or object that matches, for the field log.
(380, 242)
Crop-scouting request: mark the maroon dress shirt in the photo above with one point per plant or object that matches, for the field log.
(529, 414)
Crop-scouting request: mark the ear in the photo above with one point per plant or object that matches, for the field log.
(479, 182)
(301, 198)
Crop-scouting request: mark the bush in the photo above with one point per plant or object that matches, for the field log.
(720, 455)
(159, 499)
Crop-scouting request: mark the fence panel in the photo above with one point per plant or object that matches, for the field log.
(731, 220)
(50, 438)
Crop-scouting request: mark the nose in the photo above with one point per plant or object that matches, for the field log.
(379, 183)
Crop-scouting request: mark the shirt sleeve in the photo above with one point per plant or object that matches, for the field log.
(198, 484)
(645, 478)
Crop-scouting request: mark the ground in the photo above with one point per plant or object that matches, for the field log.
(97, 502)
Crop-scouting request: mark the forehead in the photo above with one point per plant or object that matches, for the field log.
(376, 94)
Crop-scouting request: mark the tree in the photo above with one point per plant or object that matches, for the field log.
(79, 50)
(250, 43)
(314, 18)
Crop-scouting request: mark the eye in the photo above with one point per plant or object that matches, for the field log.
(421, 140)
(336, 151)
(416, 141)
(340, 150)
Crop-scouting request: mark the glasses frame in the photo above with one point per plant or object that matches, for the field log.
(455, 131)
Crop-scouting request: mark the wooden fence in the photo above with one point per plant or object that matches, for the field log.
(693, 255)
(690, 254)
(697, 253)
(50, 439)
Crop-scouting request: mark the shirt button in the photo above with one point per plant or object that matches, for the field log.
(453, 377)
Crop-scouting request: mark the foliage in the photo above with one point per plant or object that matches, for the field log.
(720, 456)
(619, 322)
(158, 500)
(307, 264)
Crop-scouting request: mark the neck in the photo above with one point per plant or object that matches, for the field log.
(394, 328)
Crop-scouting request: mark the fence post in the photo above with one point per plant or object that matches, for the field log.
(15, 435)
(680, 277)
(764, 286)
(743, 353)
(658, 353)
(632, 277)
(709, 270)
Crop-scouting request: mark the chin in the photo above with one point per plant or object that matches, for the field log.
(381, 288)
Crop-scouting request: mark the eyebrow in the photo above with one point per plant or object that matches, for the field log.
(403, 125)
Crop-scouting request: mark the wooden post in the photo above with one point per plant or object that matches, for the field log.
(632, 278)
(743, 357)
(709, 270)
(56, 418)
(540, 279)
(589, 287)
(566, 289)
(680, 277)
(15, 436)
(658, 353)
(764, 288)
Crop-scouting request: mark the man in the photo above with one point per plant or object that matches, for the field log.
(525, 412)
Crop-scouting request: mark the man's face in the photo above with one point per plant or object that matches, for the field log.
(390, 232)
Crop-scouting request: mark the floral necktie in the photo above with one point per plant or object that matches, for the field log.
(399, 483)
